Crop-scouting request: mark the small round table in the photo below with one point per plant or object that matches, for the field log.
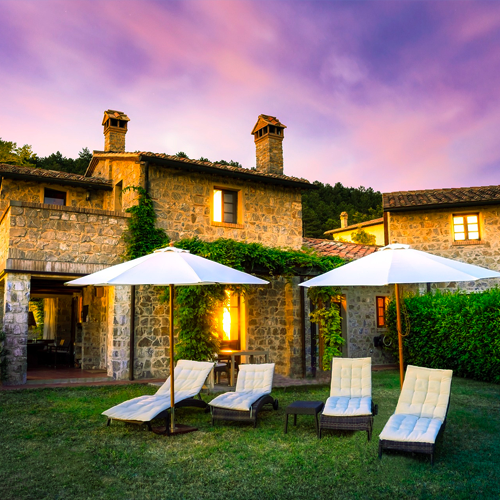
(303, 408)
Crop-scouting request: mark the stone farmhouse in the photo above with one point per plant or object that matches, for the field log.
(456, 223)
(56, 226)
(374, 227)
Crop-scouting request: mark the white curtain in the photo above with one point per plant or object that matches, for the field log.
(50, 319)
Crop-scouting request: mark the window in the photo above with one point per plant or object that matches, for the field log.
(381, 302)
(466, 227)
(53, 197)
(225, 206)
(229, 322)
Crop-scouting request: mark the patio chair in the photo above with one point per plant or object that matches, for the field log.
(350, 405)
(420, 414)
(253, 389)
(189, 377)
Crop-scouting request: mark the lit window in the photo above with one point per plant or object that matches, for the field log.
(229, 331)
(381, 303)
(53, 197)
(466, 227)
(225, 206)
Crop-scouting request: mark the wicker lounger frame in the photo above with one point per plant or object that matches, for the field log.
(351, 423)
(412, 447)
(194, 402)
(243, 416)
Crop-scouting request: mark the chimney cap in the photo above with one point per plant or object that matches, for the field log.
(117, 115)
(265, 120)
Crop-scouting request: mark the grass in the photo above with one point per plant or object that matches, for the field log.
(54, 445)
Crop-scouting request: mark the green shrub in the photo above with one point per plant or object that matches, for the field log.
(457, 331)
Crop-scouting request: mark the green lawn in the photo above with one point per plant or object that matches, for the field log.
(54, 444)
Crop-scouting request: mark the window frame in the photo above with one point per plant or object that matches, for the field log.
(380, 318)
(237, 207)
(466, 227)
(65, 199)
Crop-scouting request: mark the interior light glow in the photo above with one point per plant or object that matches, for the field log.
(217, 205)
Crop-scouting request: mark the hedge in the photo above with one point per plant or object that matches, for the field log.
(456, 331)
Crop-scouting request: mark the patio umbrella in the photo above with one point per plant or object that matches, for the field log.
(399, 264)
(173, 267)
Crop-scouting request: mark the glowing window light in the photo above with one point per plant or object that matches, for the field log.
(217, 205)
(226, 317)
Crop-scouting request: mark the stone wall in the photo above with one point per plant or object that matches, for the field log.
(33, 192)
(274, 324)
(152, 359)
(4, 237)
(118, 341)
(269, 154)
(431, 231)
(362, 323)
(94, 329)
(269, 214)
(48, 234)
(15, 325)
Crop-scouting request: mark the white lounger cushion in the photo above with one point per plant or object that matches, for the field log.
(237, 400)
(410, 428)
(346, 407)
(254, 381)
(351, 377)
(189, 377)
(425, 393)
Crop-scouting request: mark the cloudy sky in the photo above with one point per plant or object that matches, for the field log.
(394, 95)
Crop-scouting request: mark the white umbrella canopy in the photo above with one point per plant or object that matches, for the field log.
(173, 267)
(399, 264)
(168, 266)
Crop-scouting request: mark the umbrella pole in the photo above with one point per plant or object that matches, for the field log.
(400, 338)
(172, 394)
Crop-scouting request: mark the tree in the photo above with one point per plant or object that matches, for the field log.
(13, 155)
(363, 238)
(322, 207)
(56, 161)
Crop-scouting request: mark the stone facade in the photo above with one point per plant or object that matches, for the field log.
(16, 297)
(362, 323)
(432, 231)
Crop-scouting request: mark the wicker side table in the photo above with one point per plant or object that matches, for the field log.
(303, 408)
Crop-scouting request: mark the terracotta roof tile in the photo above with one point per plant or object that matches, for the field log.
(214, 166)
(351, 251)
(29, 173)
(433, 197)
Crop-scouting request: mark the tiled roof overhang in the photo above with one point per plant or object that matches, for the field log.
(53, 177)
(400, 201)
(175, 162)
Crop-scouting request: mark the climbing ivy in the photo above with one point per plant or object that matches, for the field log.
(326, 314)
(143, 236)
(197, 319)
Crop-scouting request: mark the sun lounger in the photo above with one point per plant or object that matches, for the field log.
(189, 377)
(350, 405)
(421, 412)
(253, 389)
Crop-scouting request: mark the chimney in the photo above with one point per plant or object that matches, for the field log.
(343, 219)
(115, 128)
(268, 134)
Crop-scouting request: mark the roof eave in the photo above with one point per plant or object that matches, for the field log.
(57, 180)
(434, 206)
(181, 165)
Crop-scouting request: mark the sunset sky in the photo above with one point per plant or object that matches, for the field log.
(394, 95)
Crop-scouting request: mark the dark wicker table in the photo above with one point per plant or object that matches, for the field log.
(303, 408)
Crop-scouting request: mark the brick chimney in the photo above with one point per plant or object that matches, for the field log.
(115, 128)
(343, 219)
(268, 134)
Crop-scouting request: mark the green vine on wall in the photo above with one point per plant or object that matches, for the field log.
(327, 316)
(142, 237)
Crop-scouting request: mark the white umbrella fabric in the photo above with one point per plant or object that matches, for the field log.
(399, 264)
(170, 267)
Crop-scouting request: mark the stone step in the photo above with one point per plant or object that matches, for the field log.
(68, 380)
